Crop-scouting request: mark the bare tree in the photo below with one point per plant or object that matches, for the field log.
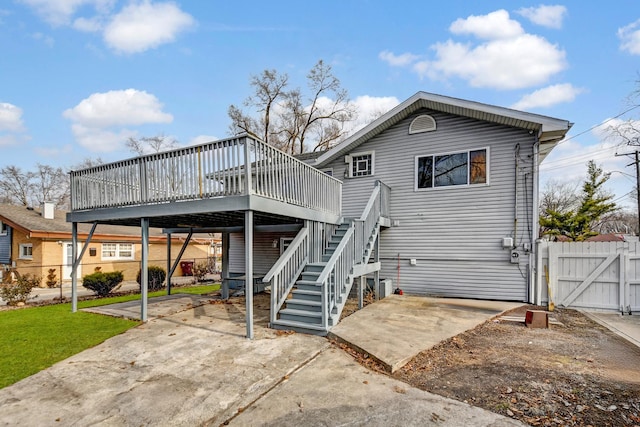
(559, 196)
(26, 188)
(151, 144)
(622, 222)
(16, 186)
(51, 185)
(88, 162)
(290, 120)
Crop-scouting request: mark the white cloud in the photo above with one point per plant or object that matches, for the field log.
(101, 140)
(397, 60)
(503, 57)
(142, 26)
(371, 107)
(548, 96)
(567, 163)
(495, 25)
(10, 118)
(202, 139)
(88, 25)
(48, 40)
(524, 61)
(101, 121)
(12, 130)
(60, 12)
(137, 27)
(545, 15)
(630, 38)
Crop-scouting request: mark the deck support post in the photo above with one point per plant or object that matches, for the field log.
(74, 275)
(224, 275)
(376, 274)
(144, 269)
(77, 257)
(248, 266)
(169, 270)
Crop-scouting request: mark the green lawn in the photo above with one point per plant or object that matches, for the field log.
(32, 339)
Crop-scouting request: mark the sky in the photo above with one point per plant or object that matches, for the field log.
(79, 77)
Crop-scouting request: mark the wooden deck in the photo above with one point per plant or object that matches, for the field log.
(204, 185)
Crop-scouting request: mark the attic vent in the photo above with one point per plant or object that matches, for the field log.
(423, 123)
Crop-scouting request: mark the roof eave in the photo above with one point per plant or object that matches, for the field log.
(547, 127)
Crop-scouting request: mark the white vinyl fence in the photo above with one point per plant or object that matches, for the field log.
(599, 276)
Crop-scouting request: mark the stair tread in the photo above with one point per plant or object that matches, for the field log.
(293, 311)
(307, 282)
(305, 292)
(301, 325)
(303, 302)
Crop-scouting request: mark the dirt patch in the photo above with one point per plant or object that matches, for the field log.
(578, 374)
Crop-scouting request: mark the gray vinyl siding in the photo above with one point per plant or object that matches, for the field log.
(264, 254)
(454, 233)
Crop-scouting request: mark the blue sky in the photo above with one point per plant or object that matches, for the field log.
(78, 77)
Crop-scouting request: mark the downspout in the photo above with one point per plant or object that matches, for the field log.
(515, 204)
(535, 285)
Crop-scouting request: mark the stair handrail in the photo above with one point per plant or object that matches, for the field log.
(335, 275)
(285, 271)
(366, 224)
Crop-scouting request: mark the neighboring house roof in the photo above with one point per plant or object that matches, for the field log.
(309, 157)
(611, 237)
(549, 130)
(31, 221)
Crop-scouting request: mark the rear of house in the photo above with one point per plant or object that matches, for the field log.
(463, 206)
(438, 195)
(448, 226)
(463, 195)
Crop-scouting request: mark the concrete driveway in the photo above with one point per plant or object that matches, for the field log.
(192, 365)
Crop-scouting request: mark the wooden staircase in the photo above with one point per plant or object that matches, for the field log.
(311, 281)
(302, 312)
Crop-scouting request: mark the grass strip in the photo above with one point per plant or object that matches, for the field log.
(34, 338)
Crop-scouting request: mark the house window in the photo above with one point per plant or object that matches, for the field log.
(4, 229)
(444, 170)
(117, 251)
(26, 251)
(328, 171)
(284, 243)
(361, 164)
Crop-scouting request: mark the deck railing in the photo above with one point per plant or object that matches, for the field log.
(215, 169)
(336, 278)
(285, 271)
(365, 226)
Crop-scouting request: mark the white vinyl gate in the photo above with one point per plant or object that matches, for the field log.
(603, 276)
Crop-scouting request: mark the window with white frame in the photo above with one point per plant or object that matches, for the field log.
(4, 229)
(361, 164)
(452, 169)
(117, 251)
(284, 243)
(26, 251)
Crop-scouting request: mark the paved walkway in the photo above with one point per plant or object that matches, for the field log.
(627, 327)
(192, 365)
(397, 328)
